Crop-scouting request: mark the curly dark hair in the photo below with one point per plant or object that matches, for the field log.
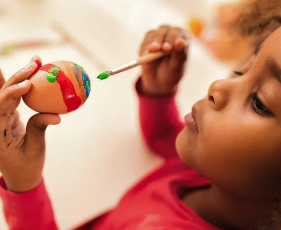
(257, 18)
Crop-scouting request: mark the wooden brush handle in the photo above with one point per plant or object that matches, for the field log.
(151, 57)
(140, 61)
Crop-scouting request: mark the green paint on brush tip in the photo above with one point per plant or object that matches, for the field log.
(103, 76)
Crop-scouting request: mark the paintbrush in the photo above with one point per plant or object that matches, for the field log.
(140, 61)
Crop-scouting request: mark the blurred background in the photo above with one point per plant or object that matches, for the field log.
(97, 152)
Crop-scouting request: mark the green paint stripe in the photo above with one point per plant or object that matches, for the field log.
(78, 66)
(55, 71)
(52, 75)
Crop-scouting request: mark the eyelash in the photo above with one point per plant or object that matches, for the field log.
(256, 103)
(259, 107)
(238, 73)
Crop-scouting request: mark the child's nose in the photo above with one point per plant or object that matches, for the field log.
(218, 93)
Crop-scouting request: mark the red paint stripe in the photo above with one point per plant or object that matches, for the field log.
(70, 98)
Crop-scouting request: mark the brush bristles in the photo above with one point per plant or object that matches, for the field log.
(104, 75)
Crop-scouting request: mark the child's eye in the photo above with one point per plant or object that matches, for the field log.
(238, 73)
(258, 106)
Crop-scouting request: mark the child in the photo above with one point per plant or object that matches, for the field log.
(227, 175)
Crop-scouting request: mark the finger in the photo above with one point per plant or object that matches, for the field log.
(2, 79)
(10, 97)
(154, 39)
(178, 58)
(35, 131)
(37, 60)
(22, 75)
(158, 39)
(146, 41)
(153, 47)
(180, 44)
(171, 38)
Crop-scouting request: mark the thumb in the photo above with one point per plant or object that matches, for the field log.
(36, 127)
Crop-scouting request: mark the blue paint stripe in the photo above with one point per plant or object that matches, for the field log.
(86, 83)
(5, 132)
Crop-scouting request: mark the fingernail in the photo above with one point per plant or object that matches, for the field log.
(22, 84)
(145, 52)
(155, 44)
(35, 59)
(167, 45)
(29, 66)
(181, 45)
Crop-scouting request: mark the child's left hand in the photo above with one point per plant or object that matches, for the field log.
(22, 151)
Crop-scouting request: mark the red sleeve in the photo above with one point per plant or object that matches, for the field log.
(160, 123)
(27, 211)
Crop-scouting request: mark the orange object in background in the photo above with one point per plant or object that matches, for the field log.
(196, 26)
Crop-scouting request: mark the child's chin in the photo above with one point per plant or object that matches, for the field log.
(183, 149)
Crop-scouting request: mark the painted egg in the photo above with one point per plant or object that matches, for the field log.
(58, 87)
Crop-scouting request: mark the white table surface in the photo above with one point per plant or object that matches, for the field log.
(97, 152)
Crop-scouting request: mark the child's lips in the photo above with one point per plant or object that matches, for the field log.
(190, 120)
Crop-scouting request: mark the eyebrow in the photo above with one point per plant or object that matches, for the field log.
(275, 69)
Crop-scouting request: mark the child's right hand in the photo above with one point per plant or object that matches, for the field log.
(162, 76)
(22, 151)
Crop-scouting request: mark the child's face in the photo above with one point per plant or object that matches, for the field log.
(238, 143)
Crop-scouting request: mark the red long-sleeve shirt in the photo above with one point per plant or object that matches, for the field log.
(152, 204)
